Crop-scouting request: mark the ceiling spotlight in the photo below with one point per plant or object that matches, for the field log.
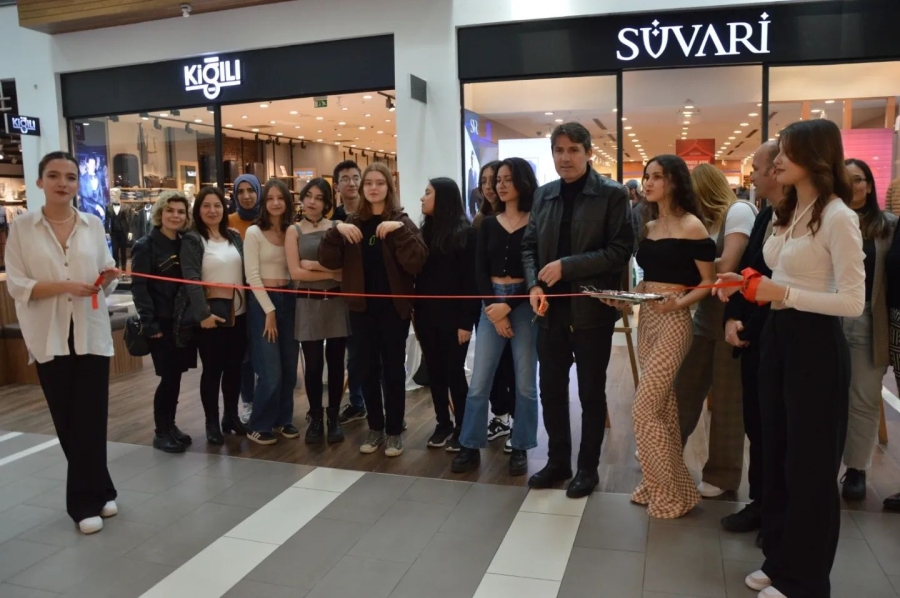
(732, 137)
(624, 119)
(829, 101)
(243, 116)
(302, 143)
(738, 132)
(175, 112)
(296, 126)
(255, 130)
(271, 122)
(688, 107)
(380, 132)
(627, 128)
(86, 124)
(188, 129)
(279, 133)
(615, 109)
(345, 108)
(319, 140)
(632, 134)
(367, 97)
(559, 120)
(210, 109)
(354, 145)
(687, 122)
(727, 143)
(319, 131)
(387, 120)
(548, 114)
(753, 114)
(320, 118)
(198, 120)
(263, 105)
(162, 114)
(745, 124)
(145, 116)
(342, 123)
(362, 128)
(294, 112)
(156, 124)
(114, 118)
(547, 135)
(340, 134)
(816, 110)
(185, 10)
(229, 126)
(368, 115)
(300, 137)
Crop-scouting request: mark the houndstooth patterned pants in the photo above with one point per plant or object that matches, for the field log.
(663, 342)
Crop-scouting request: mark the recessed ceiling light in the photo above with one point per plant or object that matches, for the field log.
(255, 130)
(263, 105)
(319, 140)
(547, 135)
(627, 128)
(243, 116)
(198, 120)
(632, 134)
(353, 145)
(380, 132)
(164, 114)
(727, 143)
(624, 119)
(367, 97)
(145, 118)
(294, 112)
(337, 142)
(387, 120)
(368, 148)
(688, 107)
(319, 131)
(687, 122)
(829, 101)
(86, 124)
(356, 138)
(344, 108)
(229, 126)
(745, 124)
(340, 134)
(738, 132)
(300, 137)
(732, 137)
(548, 114)
(559, 120)
(368, 115)
(296, 126)
(684, 128)
(342, 123)
(816, 110)
(271, 122)
(753, 114)
(759, 105)
(279, 133)
(394, 136)
(362, 128)
(637, 146)
(320, 118)
(615, 109)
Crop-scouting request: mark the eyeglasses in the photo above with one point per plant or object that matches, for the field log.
(346, 179)
(857, 180)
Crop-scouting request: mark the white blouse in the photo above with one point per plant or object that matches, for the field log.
(34, 255)
(825, 271)
(222, 264)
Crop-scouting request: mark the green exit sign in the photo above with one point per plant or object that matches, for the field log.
(321, 102)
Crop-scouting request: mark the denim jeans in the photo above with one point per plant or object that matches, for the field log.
(248, 376)
(275, 363)
(489, 347)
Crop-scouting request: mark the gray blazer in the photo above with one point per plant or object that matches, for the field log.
(880, 342)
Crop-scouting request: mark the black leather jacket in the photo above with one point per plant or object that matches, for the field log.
(155, 300)
(602, 243)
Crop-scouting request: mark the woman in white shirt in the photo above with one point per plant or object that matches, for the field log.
(710, 364)
(213, 253)
(274, 350)
(818, 276)
(55, 258)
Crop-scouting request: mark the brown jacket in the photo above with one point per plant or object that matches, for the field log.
(404, 255)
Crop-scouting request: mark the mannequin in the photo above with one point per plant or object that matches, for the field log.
(119, 227)
(142, 220)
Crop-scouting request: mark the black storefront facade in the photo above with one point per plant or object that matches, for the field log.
(162, 92)
(770, 36)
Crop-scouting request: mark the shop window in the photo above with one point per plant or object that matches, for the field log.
(503, 119)
(704, 115)
(860, 98)
(132, 158)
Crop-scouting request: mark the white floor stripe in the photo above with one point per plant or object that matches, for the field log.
(225, 562)
(890, 398)
(534, 553)
(10, 436)
(29, 451)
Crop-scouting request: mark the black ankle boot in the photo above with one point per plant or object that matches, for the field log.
(231, 424)
(181, 436)
(466, 460)
(167, 443)
(315, 433)
(214, 433)
(335, 431)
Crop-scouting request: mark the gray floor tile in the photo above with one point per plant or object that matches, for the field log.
(178, 543)
(310, 554)
(18, 555)
(451, 566)
(856, 572)
(661, 595)
(255, 589)
(735, 573)
(21, 443)
(26, 489)
(29, 465)
(881, 531)
(895, 581)
(684, 559)
(66, 569)
(169, 506)
(849, 529)
(168, 474)
(444, 492)
(143, 457)
(603, 574)
(353, 577)
(612, 522)
(253, 492)
(118, 535)
(369, 498)
(21, 518)
(10, 591)
(240, 469)
(740, 547)
(486, 510)
(708, 513)
(402, 532)
(122, 578)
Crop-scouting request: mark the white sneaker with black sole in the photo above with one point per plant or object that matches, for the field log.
(507, 446)
(497, 428)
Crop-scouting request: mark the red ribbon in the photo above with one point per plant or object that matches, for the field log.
(95, 302)
(750, 285)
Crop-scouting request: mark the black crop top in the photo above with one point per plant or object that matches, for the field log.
(499, 254)
(671, 261)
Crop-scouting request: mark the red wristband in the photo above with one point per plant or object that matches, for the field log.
(752, 280)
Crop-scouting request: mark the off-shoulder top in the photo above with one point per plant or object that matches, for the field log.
(671, 261)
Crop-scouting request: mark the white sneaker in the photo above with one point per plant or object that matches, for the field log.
(246, 410)
(91, 525)
(770, 592)
(758, 581)
(709, 491)
(110, 509)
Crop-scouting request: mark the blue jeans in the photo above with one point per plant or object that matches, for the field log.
(275, 363)
(489, 347)
(248, 376)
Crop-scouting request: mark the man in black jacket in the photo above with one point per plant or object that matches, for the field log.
(579, 235)
(743, 327)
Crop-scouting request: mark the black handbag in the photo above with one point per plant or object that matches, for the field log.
(222, 308)
(135, 339)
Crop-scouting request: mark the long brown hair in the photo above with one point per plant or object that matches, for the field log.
(872, 222)
(264, 220)
(486, 207)
(714, 195)
(816, 146)
(391, 202)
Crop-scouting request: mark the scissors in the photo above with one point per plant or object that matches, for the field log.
(542, 308)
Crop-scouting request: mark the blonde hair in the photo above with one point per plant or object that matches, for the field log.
(169, 197)
(391, 201)
(714, 195)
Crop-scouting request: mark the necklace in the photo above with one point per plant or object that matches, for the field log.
(315, 223)
(71, 216)
(515, 225)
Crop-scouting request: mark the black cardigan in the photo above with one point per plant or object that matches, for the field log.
(449, 274)
(154, 300)
(192, 267)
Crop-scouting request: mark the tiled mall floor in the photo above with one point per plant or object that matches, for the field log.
(205, 526)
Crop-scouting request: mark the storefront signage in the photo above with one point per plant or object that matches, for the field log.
(695, 41)
(24, 125)
(212, 75)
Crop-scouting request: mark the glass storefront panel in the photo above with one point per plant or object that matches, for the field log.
(503, 119)
(861, 98)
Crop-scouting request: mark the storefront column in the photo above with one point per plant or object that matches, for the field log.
(428, 135)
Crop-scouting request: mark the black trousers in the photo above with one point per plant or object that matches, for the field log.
(558, 347)
(119, 243)
(170, 362)
(315, 355)
(752, 419)
(804, 383)
(503, 392)
(382, 353)
(445, 359)
(222, 354)
(77, 391)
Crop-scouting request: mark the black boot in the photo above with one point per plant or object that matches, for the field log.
(214, 433)
(550, 475)
(231, 424)
(747, 519)
(853, 485)
(315, 433)
(181, 436)
(167, 443)
(518, 462)
(466, 460)
(583, 483)
(335, 431)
